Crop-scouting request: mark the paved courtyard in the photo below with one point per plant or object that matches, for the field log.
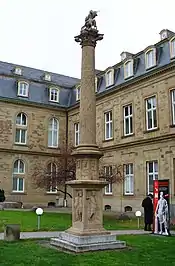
(28, 235)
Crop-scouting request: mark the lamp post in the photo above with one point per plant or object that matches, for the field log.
(138, 215)
(39, 212)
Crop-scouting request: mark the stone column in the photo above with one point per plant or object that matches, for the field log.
(87, 206)
(87, 232)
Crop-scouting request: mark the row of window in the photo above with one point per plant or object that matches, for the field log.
(150, 61)
(128, 178)
(19, 174)
(151, 119)
(18, 71)
(23, 91)
(19, 171)
(53, 125)
(21, 131)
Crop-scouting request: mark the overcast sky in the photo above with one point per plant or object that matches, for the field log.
(40, 33)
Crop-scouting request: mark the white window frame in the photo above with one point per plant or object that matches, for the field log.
(77, 133)
(151, 110)
(155, 173)
(78, 91)
(128, 117)
(151, 53)
(109, 77)
(52, 191)
(47, 77)
(129, 177)
(18, 71)
(109, 123)
(173, 105)
(20, 127)
(108, 187)
(172, 47)
(18, 175)
(24, 92)
(54, 94)
(128, 69)
(53, 131)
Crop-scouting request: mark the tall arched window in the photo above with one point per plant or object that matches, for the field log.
(53, 133)
(18, 176)
(21, 129)
(52, 178)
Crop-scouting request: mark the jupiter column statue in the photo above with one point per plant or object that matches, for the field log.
(87, 232)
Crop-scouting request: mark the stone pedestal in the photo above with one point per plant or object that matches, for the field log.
(12, 232)
(87, 243)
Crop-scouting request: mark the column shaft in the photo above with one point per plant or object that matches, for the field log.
(87, 97)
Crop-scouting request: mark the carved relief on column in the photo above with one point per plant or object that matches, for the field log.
(94, 168)
(92, 197)
(78, 205)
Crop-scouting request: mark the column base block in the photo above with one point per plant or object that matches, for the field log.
(80, 244)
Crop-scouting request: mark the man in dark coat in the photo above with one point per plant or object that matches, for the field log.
(148, 212)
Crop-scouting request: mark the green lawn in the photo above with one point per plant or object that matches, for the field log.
(54, 221)
(145, 251)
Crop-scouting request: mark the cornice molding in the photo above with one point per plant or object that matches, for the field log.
(139, 142)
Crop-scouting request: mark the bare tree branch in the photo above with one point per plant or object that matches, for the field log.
(57, 173)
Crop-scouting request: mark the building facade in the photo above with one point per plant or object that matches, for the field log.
(135, 124)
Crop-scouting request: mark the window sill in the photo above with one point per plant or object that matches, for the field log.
(23, 96)
(107, 140)
(128, 195)
(127, 136)
(109, 85)
(50, 193)
(108, 194)
(49, 147)
(54, 101)
(150, 67)
(126, 78)
(20, 144)
(18, 192)
(151, 130)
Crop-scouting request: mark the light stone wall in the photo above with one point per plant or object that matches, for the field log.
(137, 149)
(35, 152)
(142, 146)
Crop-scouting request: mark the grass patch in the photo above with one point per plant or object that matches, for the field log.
(146, 251)
(55, 221)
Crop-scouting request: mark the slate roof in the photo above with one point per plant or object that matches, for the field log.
(39, 88)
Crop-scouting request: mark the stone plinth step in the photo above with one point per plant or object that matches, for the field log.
(79, 244)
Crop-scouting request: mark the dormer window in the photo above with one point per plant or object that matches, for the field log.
(172, 47)
(47, 77)
(23, 89)
(78, 93)
(109, 77)
(18, 71)
(128, 69)
(150, 58)
(54, 95)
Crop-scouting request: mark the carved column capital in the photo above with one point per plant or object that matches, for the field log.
(88, 37)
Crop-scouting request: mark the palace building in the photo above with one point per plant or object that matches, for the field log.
(135, 122)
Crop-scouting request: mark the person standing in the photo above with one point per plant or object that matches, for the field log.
(147, 204)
